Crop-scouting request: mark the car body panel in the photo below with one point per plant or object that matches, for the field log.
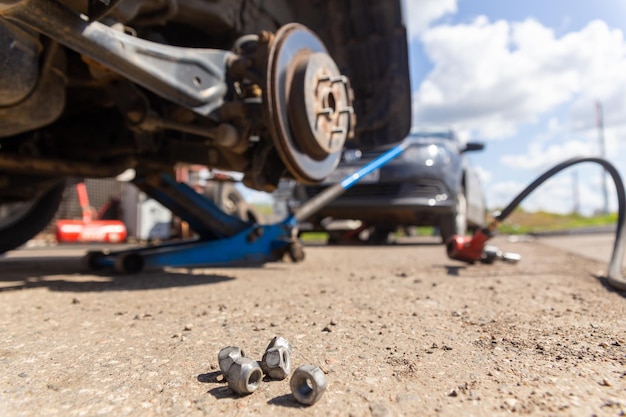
(417, 188)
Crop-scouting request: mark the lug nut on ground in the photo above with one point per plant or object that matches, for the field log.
(227, 356)
(276, 362)
(308, 384)
(279, 341)
(244, 376)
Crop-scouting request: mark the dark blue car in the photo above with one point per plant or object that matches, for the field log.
(430, 184)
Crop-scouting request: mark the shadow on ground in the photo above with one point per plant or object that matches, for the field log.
(223, 391)
(69, 274)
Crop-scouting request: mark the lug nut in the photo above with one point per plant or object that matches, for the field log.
(227, 357)
(244, 376)
(308, 384)
(279, 341)
(276, 362)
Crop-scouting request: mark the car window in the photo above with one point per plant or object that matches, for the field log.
(439, 134)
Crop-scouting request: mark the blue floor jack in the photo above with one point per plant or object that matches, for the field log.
(223, 240)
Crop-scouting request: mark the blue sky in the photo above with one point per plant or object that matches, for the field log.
(525, 77)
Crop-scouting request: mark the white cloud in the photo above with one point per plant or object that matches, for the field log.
(491, 77)
(501, 193)
(580, 181)
(540, 156)
(421, 13)
(484, 175)
(575, 189)
(560, 194)
(556, 195)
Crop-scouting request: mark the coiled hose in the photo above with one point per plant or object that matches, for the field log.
(614, 275)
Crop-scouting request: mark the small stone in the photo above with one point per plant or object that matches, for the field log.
(75, 300)
(379, 410)
(453, 393)
(511, 403)
(188, 327)
(327, 329)
(606, 383)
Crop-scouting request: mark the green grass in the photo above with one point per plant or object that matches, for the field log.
(314, 236)
(522, 222)
(518, 223)
(323, 236)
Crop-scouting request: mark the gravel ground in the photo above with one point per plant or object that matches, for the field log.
(399, 330)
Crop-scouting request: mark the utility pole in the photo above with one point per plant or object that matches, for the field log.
(576, 192)
(600, 125)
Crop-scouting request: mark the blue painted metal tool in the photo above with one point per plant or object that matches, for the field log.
(223, 240)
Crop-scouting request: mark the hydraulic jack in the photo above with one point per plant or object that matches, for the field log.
(223, 240)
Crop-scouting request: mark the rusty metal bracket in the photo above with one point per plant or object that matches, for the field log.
(190, 77)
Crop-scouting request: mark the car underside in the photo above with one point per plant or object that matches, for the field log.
(272, 89)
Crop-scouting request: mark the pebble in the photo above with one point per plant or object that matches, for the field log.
(379, 410)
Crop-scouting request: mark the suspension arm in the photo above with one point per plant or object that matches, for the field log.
(190, 77)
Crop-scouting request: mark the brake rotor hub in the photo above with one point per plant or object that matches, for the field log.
(309, 103)
(319, 106)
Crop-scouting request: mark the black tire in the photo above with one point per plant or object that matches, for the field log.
(129, 263)
(295, 252)
(92, 259)
(455, 223)
(32, 221)
(380, 235)
(334, 237)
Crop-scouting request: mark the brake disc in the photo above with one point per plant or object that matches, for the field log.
(309, 104)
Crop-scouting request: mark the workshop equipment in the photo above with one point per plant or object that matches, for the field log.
(89, 228)
(223, 239)
(473, 249)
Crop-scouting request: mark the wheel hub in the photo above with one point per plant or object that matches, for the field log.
(309, 103)
(319, 106)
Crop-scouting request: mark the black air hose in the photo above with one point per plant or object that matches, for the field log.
(614, 274)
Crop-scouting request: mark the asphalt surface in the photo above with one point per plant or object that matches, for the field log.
(597, 246)
(398, 330)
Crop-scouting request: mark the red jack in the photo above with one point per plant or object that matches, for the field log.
(89, 229)
(470, 248)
